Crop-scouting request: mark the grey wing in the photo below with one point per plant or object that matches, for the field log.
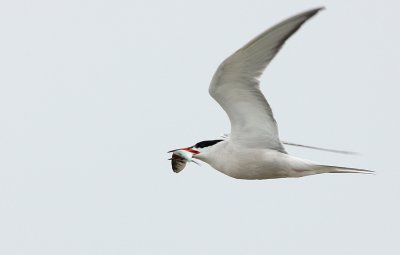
(235, 86)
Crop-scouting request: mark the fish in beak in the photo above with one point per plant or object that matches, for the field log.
(180, 157)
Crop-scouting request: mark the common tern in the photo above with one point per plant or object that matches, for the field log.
(253, 149)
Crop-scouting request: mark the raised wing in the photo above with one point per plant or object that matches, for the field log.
(235, 86)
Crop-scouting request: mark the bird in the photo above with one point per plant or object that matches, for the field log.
(253, 149)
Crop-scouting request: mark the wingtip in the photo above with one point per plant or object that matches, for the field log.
(314, 11)
(317, 9)
(321, 149)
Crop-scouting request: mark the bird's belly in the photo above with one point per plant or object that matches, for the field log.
(253, 165)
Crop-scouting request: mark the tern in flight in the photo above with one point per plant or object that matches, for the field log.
(253, 149)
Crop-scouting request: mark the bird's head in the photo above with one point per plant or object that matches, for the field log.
(199, 148)
(200, 151)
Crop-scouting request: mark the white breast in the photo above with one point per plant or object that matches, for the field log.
(254, 163)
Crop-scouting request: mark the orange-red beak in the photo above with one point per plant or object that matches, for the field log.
(189, 149)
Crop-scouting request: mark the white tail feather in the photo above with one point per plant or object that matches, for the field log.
(338, 169)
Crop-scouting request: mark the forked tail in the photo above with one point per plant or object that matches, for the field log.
(338, 169)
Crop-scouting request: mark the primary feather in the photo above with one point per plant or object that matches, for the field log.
(235, 86)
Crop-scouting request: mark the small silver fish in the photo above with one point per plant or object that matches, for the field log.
(179, 160)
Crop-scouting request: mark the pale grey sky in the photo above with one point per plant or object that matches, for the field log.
(93, 94)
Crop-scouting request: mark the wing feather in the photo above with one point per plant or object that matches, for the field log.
(235, 86)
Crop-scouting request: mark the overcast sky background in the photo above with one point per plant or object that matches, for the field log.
(94, 93)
